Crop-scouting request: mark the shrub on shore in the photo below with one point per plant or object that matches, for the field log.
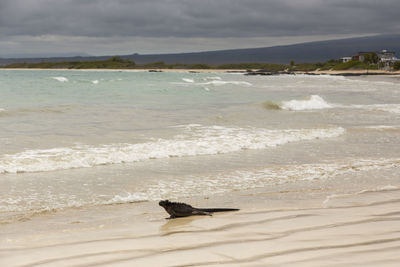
(352, 64)
(111, 63)
(120, 63)
(396, 65)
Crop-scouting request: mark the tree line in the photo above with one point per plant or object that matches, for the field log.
(370, 62)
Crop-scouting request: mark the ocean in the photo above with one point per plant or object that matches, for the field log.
(83, 139)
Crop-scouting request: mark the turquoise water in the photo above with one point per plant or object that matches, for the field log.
(80, 138)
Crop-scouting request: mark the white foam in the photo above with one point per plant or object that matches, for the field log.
(95, 81)
(128, 197)
(220, 83)
(214, 78)
(383, 127)
(313, 102)
(213, 82)
(60, 79)
(206, 185)
(188, 80)
(210, 184)
(195, 140)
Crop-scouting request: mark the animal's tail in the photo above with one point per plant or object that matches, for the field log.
(218, 210)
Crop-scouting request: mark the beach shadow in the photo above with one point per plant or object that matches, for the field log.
(177, 224)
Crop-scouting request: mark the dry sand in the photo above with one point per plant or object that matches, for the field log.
(361, 229)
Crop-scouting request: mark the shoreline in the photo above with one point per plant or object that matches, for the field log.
(307, 223)
(358, 227)
(244, 71)
(136, 70)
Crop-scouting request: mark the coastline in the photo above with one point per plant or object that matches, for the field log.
(317, 72)
(348, 229)
(134, 70)
(357, 72)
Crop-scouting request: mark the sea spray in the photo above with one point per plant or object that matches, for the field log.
(311, 103)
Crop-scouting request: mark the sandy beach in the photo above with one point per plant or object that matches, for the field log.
(355, 229)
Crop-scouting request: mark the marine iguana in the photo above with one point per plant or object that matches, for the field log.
(177, 209)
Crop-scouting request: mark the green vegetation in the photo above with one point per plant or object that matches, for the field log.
(306, 66)
(352, 64)
(331, 64)
(371, 58)
(370, 63)
(112, 63)
(253, 66)
(396, 65)
(119, 63)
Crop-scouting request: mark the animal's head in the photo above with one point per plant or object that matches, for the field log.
(164, 203)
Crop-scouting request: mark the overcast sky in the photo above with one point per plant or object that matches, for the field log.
(104, 27)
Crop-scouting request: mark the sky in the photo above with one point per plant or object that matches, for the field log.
(117, 27)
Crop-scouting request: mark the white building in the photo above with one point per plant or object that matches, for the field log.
(345, 59)
(386, 56)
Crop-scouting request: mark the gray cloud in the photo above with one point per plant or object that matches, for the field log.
(93, 19)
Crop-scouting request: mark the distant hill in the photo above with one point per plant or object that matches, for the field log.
(45, 55)
(301, 53)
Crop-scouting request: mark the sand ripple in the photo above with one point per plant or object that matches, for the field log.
(365, 233)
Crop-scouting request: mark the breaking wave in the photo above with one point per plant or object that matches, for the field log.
(188, 80)
(219, 83)
(316, 102)
(195, 140)
(60, 79)
(313, 102)
(310, 103)
(214, 78)
(211, 184)
(127, 197)
(214, 82)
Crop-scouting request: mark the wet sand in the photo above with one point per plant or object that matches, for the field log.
(360, 229)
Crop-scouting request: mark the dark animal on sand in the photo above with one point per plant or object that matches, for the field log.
(177, 209)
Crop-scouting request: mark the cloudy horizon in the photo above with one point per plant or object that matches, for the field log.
(100, 27)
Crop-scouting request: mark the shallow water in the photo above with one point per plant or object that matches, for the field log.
(89, 138)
